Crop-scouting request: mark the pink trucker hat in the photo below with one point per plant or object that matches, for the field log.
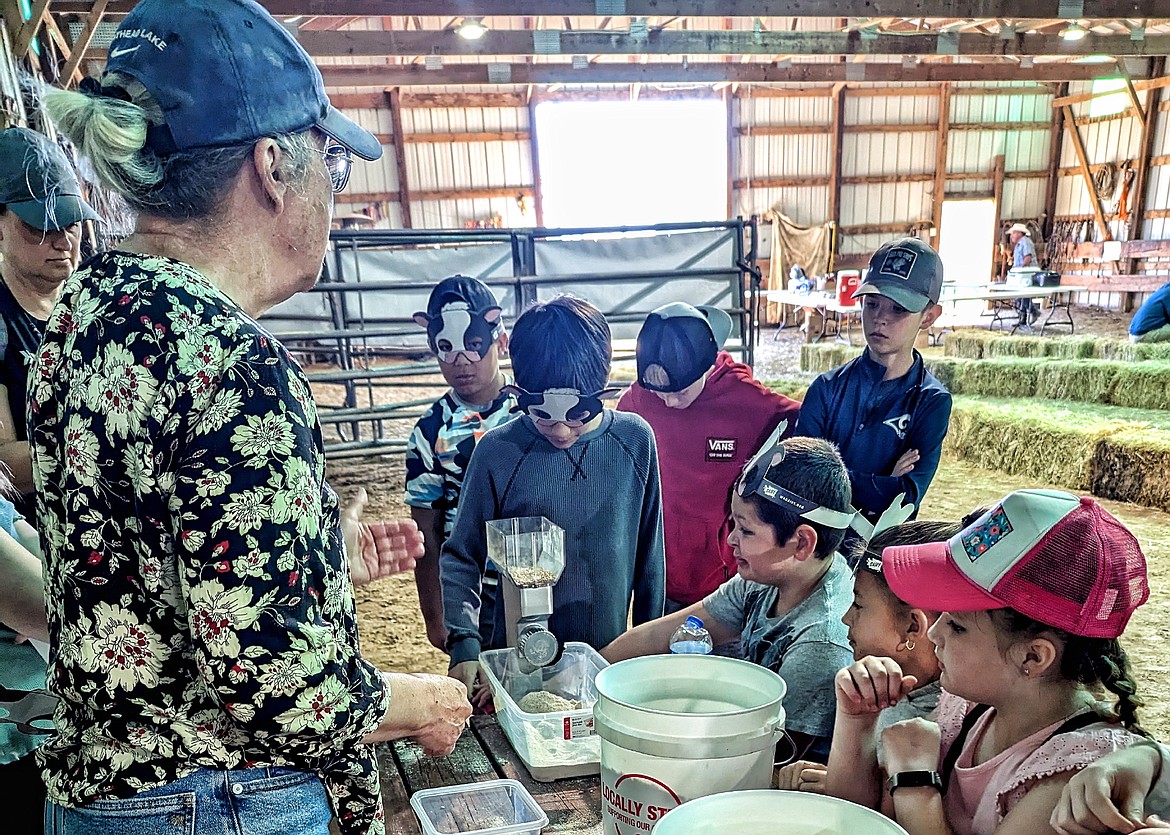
(1059, 559)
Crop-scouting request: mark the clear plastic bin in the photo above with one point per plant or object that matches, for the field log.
(496, 807)
(558, 745)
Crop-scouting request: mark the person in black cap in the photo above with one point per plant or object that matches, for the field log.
(709, 415)
(41, 215)
(199, 589)
(466, 333)
(886, 413)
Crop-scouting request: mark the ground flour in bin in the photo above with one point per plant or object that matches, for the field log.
(542, 701)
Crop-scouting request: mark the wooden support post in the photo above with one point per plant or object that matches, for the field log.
(400, 156)
(1098, 213)
(83, 40)
(1137, 191)
(729, 103)
(997, 176)
(940, 160)
(534, 152)
(1055, 152)
(837, 130)
(28, 30)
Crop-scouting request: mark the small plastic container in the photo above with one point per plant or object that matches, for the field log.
(496, 807)
(558, 745)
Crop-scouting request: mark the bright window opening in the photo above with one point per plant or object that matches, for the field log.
(632, 163)
(965, 245)
(1113, 102)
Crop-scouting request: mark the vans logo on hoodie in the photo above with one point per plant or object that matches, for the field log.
(721, 449)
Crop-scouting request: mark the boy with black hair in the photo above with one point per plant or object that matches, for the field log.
(790, 510)
(466, 333)
(588, 469)
(885, 412)
(708, 414)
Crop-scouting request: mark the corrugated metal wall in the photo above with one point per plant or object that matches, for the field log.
(782, 156)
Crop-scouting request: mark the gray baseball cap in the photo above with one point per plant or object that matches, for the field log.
(907, 271)
(37, 182)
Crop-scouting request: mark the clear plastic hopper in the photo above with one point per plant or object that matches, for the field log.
(529, 552)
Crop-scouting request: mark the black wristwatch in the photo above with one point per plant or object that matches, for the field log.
(913, 780)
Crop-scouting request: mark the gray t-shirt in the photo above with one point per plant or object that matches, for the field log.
(806, 646)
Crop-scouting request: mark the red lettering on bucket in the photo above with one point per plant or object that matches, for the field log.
(636, 802)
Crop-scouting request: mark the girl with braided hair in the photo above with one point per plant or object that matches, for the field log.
(1034, 595)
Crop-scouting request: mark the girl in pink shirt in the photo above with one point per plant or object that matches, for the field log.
(1034, 595)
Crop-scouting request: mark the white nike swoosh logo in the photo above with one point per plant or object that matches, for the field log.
(118, 53)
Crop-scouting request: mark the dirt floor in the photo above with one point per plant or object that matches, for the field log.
(392, 629)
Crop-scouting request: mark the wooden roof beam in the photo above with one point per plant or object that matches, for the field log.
(721, 42)
(707, 73)
(958, 9)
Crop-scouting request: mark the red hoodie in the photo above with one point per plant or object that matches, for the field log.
(701, 451)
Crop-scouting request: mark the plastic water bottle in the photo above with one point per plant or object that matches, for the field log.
(691, 638)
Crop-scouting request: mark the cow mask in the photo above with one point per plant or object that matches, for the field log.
(459, 330)
(560, 405)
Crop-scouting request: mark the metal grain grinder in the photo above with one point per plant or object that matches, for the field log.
(529, 552)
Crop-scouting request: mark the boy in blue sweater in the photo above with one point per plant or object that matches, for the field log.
(588, 469)
(885, 412)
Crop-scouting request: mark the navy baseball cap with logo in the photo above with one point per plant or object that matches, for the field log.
(225, 73)
(37, 182)
(908, 272)
(683, 341)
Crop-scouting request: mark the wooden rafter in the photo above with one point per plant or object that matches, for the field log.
(705, 72)
(29, 29)
(719, 42)
(392, 99)
(933, 9)
(83, 39)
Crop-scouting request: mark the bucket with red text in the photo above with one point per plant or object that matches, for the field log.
(677, 727)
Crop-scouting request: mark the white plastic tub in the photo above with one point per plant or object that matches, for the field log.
(553, 746)
(771, 812)
(496, 807)
(677, 727)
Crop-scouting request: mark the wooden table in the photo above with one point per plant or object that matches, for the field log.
(825, 304)
(482, 753)
(1004, 311)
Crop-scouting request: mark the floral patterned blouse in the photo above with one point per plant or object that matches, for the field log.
(200, 605)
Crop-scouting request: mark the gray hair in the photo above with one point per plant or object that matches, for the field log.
(183, 185)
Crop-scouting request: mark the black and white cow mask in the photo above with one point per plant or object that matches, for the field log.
(561, 405)
(459, 330)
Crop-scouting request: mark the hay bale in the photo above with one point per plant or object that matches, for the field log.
(1052, 444)
(1134, 466)
(1009, 377)
(1086, 381)
(1017, 346)
(948, 371)
(1129, 352)
(1073, 347)
(966, 344)
(790, 386)
(822, 357)
(1142, 385)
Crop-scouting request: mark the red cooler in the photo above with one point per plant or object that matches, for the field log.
(847, 283)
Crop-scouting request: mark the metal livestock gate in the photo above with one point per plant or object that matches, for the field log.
(359, 314)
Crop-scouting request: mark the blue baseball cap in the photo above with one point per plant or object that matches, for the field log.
(224, 73)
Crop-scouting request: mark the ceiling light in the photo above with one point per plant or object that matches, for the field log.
(471, 29)
(1074, 32)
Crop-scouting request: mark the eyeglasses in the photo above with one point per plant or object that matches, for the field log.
(338, 162)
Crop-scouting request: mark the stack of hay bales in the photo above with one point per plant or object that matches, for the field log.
(1086, 413)
(822, 357)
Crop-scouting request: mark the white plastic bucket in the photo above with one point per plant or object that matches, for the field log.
(769, 812)
(677, 727)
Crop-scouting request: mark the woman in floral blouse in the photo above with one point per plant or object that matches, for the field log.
(200, 609)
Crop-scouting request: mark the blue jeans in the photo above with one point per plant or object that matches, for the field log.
(251, 801)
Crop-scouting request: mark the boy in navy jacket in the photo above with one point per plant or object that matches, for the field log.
(885, 412)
